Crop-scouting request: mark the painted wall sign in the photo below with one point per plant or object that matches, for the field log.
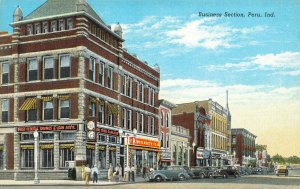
(48, 128)
(144, 142)
(107, 131)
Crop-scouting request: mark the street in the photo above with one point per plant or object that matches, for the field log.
(252, 181)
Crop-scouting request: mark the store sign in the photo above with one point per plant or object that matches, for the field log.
(165, 155)
(200, 155)
(48, 128)
(107, 131)
(144, 142)
(206, 154)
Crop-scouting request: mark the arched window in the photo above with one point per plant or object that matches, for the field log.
(167, 120)
(162, 119)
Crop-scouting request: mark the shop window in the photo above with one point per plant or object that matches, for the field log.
(90, 156)
(37, 28)
(61, 26)
(5, 107)
(102, 157)
(110, 77)
(65, 154)
(47, 136)
(45, 27)
(32, 70)
(112, 156)
(102, 138)
(92, 109)
(67, 136)
(64, 109)
(48, 110)
(101, 114)
(92, 69)
(47, 158)
(5, 73)
(27, 158)
(53, 26)
(65, 66)
(27, 137)
(48, 68)
(112, 139)
(29, 29)
(70, 23)
(101, 73)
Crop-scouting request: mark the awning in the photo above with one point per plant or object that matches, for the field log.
(63, 97)
(101, 101)
(47, 98)
(29, 104)
(113, 108)
(93, 99)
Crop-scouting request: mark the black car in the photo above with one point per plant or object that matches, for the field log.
(198, 172)
(226, 171)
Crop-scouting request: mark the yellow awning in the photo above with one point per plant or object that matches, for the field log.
(47, 98)
(112, 108)
(93, 99)
(29, 104)
(63, 97)
(101, 101)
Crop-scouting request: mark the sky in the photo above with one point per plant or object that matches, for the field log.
(257, 59)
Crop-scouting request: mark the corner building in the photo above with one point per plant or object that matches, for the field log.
(64, 72)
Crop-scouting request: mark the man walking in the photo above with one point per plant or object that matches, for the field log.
(87, 174)
(95, 172)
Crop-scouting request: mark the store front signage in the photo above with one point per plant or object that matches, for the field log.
(144, 142)
(48, 128)
(107, 131)
(200, 154)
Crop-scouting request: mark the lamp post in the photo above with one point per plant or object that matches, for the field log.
(36, 179)
(123, 135)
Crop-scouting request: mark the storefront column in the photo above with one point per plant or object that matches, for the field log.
(107, 156)
(96, 155)
(80, 149)
(118, 155)
(17, 153)
(56, 150)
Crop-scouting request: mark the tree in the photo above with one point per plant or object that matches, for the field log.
(293, 160)
(252, 163)
(278, 159)
(260, 148)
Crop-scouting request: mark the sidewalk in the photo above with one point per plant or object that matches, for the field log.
(66, 182)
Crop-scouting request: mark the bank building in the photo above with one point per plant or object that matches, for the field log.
(66, 74)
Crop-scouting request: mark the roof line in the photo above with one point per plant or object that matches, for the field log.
(36, 9)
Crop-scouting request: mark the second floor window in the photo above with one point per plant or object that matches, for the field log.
(29, 29)
(32, 115)
(65, 109)
(92, 69)
(70, 23)
(101, 113)
(53, 26)
(48, 110)
(129, 118)
(48, 68)
(65, 63)
(141, 92)
(5, 104)
(110, 78)
(45, 27)
(37, 28)
(92, 109)
(32, 70)
(5, 73)
(61, 25)
(101, 73)
(162, 119)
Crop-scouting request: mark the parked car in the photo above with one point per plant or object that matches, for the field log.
(281, 170)
(226, 171)
(169, 173)
(198, 172)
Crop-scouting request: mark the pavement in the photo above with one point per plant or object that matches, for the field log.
(66, 182)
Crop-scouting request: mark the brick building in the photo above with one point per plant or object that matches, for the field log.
(243, 145)
(64, 72)
(165, 124)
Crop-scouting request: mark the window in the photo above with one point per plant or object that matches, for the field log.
(53, 26)
(129, 86)
(124, 121)
(70, 23)
(151, 125)
(48, 110)
(167, 120)
(90, 156)
(27, 158)
(32, 70)
(102, 157)
(111, 119)
(92, 69)
(141, 120)
(65, 154)
(32, 115)
(101, 113)
(137, 123)
(65, 62)
(5, 104)
(162, 140)
(167, 140)
(102, 138)
(112, 139)
(233, 140)
(101, 73)
(1, 159)
(67, 136)
(61, 25)
(129, 118)
(65, 109)
(29, 29)
(162, 119)
(45, 27)
(141, 91)
(48, 68)
(47, 158)
(92, 109)
(37, 28)
(110, 77)
(27, 137)
(5, 73)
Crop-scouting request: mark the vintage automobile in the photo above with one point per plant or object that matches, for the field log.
(169, 173)
(203, 172)
(226, 171)
(281, 170)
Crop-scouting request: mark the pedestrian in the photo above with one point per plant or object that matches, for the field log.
(95, 172)
(120, 173)
(132, 171)
(144, 172)
(127, 174)
(87, 174)
(83, 172)
(116, 173)
(110, 173)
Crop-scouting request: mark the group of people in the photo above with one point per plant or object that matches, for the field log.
(87, 172)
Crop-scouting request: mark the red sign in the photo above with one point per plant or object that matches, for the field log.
(48, 128)
(143, 142)
(107, 131)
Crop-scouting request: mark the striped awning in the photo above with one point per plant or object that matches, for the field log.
(29, 104)
(113, 108)
(47, 98)
(101, 101)
(93, 99)
(63, 97)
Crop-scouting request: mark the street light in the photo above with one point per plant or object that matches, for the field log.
(122, 134)
(36, 179)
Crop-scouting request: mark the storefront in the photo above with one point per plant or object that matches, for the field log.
(144, 153)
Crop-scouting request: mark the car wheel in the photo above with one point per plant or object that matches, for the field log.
(236, 175)
(158, 178)
(225, 175)
(202, 176)
(181, 177)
